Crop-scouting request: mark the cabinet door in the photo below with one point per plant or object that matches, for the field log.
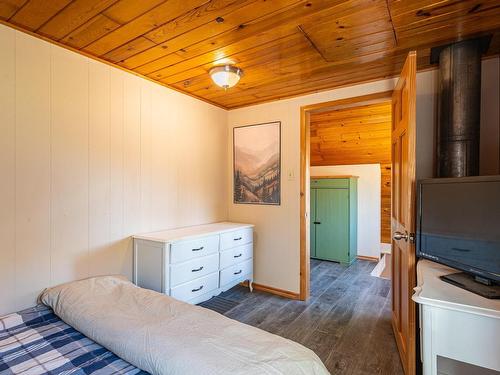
(332, 235)
(312, 219)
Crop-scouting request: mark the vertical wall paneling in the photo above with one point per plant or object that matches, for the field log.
(32, 166)
(204, 153)
(145, 161)
(131, 160)
(174, 161)
(99, 169)
(117, 240)
(69, 160)
(201, 174)
(89, 155)
(132, 147)
(161, 172)
(187, 173)
(7, 170)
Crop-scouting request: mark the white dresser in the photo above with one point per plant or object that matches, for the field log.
(459, 330)
(195, 263)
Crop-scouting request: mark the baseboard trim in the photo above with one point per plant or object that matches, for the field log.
(273, 290)
(371, 259)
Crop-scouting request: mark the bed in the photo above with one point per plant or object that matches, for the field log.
(36, 341)
(107, 325)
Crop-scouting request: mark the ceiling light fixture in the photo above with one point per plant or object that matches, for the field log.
(226, 76)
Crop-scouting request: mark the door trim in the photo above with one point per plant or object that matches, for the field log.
(305, 164)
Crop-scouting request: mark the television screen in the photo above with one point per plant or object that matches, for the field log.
(459, 223)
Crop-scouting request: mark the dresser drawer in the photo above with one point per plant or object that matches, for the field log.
(235, 255)
(236, 271)
(236, 238)
(193, 269)
(199, 247)
(196, 287)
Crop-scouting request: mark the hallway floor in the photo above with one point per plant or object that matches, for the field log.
(347, 320)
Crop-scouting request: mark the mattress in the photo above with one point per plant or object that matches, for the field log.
(36, 341)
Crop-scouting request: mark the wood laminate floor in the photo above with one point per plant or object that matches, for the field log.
(347, 320)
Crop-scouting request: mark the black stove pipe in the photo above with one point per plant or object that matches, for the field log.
(459, 107)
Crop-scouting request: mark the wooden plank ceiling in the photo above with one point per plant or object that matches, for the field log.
(285, 47)
(357, 135)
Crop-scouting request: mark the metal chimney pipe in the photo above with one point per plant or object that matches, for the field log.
(459, 108)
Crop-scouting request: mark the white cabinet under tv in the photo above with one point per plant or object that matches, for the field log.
(459, 330)
(193, 264)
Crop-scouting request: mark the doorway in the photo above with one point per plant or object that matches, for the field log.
(339, 137)
(403, 205)
(351, 166)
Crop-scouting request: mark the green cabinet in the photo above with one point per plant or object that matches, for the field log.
(334, 209)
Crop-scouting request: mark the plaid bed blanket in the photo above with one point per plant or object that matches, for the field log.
(36, 341)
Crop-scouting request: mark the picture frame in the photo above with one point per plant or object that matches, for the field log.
(257, 164)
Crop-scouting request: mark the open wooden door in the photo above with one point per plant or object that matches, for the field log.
(403, 213)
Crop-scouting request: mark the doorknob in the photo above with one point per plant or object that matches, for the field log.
(400, 236)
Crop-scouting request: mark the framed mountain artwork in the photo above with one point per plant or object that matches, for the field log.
(257, 164)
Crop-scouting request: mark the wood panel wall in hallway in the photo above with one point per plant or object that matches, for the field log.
(357, 135)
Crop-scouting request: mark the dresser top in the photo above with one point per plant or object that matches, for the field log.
(431, 290)
(179, 234)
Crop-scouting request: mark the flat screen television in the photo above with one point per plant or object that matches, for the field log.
(458, 224)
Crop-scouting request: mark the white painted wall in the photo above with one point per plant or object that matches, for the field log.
(368, 202)
(89, 155)
(277, 227)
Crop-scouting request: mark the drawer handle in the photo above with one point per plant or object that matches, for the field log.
(237, 256)
(237, 239)
(197, 289)
(317, 222)
(197, 269)
(198, 249)
(237, 273)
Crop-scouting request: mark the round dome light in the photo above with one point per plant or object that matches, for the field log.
(226, 76)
